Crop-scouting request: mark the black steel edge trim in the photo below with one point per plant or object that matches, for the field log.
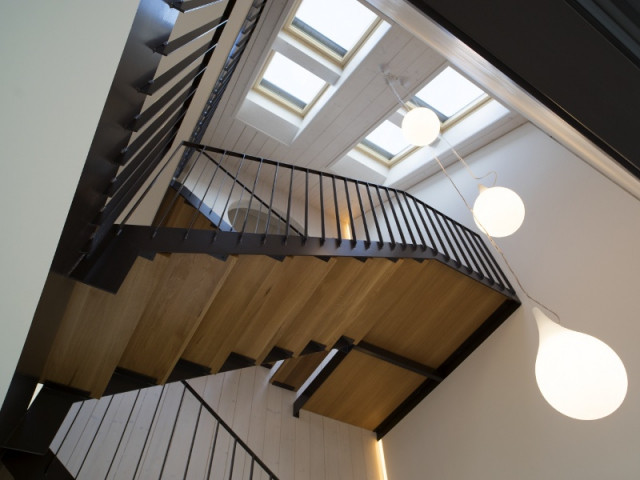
(483, 332)
(286, 386)
(530, 89)
(184, 370)
(397, 360)
(313, 347)
(343, 346)
(200, 241)
(190, 5)
(125, 380)
(236, 361)
(141, 119)
(276, 354)
(168, 48)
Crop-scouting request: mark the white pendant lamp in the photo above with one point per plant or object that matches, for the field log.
(420, 126)
(577, 374)
(498, 211)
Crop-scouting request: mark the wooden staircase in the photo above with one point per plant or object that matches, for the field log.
(194, 309)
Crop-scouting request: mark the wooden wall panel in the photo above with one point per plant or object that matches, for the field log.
(363, 391)
(309, 447)
(96, 329)
(182, 297)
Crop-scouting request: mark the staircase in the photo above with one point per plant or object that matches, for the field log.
(214, 285)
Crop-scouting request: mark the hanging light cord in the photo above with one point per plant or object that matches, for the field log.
(493, 242)
(389, 79)
(466, 165)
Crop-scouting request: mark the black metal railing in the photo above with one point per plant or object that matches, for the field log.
(253, 198)
(157, 432)
(151, 104)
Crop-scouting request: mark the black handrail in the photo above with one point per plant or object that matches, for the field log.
(303, 206)
(237, 439)
(87, 446)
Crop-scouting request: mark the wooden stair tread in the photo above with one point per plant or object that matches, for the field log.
(431, 314)
(363, 391)
(179, 302)
(230, 312)
(96, 328)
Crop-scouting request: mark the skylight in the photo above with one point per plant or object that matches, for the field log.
(449, 93)
(338, 25)
(291, 82)
(386, 140)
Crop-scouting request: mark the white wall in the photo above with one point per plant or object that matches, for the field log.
(309, 447)
(58, 60)
(578, 253)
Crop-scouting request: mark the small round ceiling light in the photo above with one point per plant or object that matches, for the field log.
(498, 211)
(420, 126)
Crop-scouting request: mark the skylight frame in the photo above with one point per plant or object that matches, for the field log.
(445, 120)
(321, 48)
(279, 99)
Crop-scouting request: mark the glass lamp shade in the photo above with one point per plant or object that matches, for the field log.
(498, 211)
(420, 126)
(577, 374)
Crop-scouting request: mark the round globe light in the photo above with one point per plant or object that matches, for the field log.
(577, 374)
(420, 126)
(498, 211)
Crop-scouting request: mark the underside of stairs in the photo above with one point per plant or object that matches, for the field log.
(386, 329)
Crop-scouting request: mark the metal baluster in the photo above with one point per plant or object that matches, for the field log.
(386, 219)
(306, 207)
(322, 210)
(367, 242)
(213, 450)
(222, 184)
(253, 192)
(146, 439)
(64, 439)
(253, 461)
(195, 214)
(273, 189)
(467, 246)
(177, 194)
(406, 220)
(477, 240)
(335, 201)
(413, 217)
(448, 223)
(424, 222)
(497, 271)
(193, 440)
(286, 232)
(224, 210)
(353, 227)
(173, 430)
(395, 216)
(124, 430)
(483, 271)
(233, 459)
(146, 190)
(375, 216)
(94, 436)
(446, 245)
